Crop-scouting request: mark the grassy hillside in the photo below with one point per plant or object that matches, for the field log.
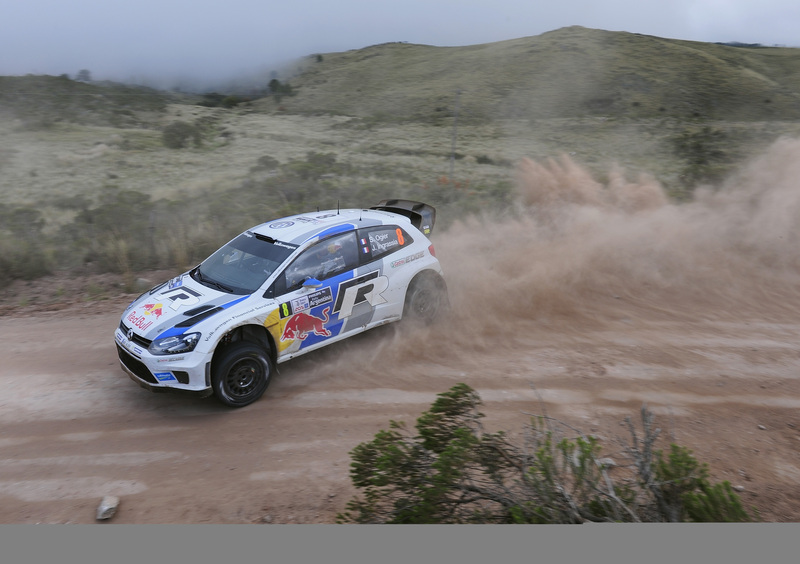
(570, 72)
(88, 182)
(40, 101)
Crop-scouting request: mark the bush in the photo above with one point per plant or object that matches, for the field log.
(177, 135)
(453, 471)
(705, 153)
(23, 248)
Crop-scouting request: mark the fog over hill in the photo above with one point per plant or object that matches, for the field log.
(447, 125)
(570, 72)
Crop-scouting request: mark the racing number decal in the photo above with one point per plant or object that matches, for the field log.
(400, 237)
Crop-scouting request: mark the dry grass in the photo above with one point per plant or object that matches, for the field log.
(386, 115)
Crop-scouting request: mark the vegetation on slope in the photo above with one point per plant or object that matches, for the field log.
(88, 168)
(454, 471)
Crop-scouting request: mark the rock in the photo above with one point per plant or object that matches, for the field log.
(607, 462)
(762, 427)
(107, 508)
(738, 488)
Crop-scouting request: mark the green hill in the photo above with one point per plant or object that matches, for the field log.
(39, 101)
(570, 72)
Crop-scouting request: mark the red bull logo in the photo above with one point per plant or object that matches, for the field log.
(153, 309)
(138, 321)
(301, 324)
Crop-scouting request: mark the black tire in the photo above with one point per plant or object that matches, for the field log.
(425, 298)
(241, 374)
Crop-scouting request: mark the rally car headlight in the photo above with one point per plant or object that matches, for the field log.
(174, 345)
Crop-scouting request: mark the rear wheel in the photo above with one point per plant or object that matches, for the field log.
(425, 298)
(241, 374)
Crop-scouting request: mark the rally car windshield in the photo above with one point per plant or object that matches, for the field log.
(243, 265)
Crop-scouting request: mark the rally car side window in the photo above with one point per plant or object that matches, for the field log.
(323, 260)
(377, 242)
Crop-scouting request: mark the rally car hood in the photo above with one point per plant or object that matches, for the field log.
(175, 306)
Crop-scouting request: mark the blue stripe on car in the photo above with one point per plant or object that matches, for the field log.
(175, 331)
(333, 231)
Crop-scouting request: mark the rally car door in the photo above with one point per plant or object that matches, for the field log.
(313, 297)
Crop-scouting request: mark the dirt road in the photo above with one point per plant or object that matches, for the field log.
(74, 428)
(595, 298)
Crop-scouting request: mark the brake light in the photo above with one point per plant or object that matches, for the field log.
(431, 251)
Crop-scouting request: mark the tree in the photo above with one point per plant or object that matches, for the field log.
(84, 76)
(279, 89)
(453, 471)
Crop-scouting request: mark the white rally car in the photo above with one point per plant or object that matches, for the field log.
(279, 290)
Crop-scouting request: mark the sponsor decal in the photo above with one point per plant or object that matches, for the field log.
(308, 301)
(175, 282)
(170, 359)
(153, 309)
(284, 245)
(306, 220)
(248, 313)
(281, 224)
(138, 321)
(325, 216)
(165, 377)
(181, 297)
(366, 288)
(320, 297)
(302, 324)
(408, 259)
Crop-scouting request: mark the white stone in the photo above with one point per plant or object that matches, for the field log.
(107, 508)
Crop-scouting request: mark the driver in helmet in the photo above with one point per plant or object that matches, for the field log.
(330, 257)
(319, 262)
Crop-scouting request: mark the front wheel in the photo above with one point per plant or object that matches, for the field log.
(425, 298)
(241, 374)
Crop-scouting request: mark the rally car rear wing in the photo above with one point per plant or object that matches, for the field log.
(422, 216)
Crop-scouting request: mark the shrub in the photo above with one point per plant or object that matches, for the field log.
(453, 471)
(177, 135)
(705, 153)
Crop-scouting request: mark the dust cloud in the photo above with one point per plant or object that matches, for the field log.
(577, 254)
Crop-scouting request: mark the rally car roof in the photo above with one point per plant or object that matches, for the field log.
(297, 229)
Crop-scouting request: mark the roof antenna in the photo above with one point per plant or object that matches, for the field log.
(337, 207)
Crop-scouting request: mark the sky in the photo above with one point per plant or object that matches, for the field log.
(143, 40)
